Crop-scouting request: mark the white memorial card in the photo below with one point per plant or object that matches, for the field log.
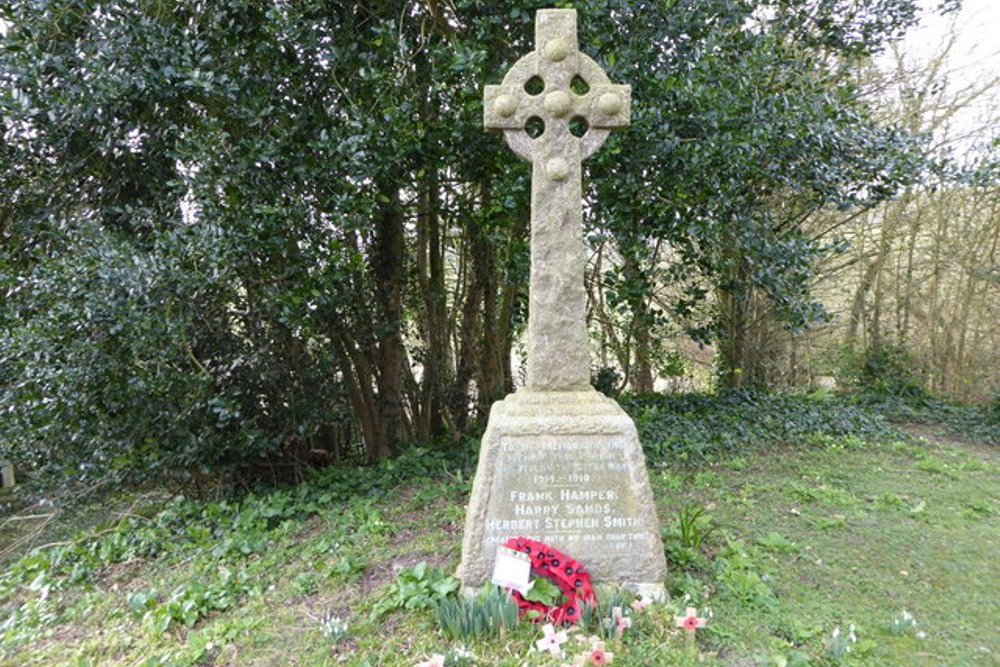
(512, 569)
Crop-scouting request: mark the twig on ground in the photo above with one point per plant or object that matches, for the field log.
(31, 535)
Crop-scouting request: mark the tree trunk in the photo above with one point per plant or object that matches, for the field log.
(468, 330)
(357, 377)
(435, 329)
(732, 319)
(430, 252)
(641, 376)
(748, 346)
(390, 280)
(500, 292)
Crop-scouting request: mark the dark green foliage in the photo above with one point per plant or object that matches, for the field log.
(884, 368)
(979, 423)
(691, 427)
(607, 380)
(211, 196)
(127, 362)
(889, 381)
(224, 225)
(739, 133)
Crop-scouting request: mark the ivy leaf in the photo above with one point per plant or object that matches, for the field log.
(543, 592)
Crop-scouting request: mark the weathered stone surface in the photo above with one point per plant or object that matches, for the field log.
(558, 352)
(565, 468)
(559, 462)
(6, 475)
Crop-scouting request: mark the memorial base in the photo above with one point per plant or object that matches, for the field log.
(566, 469)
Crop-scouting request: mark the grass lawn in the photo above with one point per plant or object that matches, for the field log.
(794, 542)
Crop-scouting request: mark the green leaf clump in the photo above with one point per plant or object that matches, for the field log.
(418, 587)
(544, 592)
(489, 614)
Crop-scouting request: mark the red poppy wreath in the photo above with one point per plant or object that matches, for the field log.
(567, 575)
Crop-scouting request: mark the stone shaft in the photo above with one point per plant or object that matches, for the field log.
(558, 343)
(539, 89)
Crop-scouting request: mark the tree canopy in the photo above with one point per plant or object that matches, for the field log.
(238, 232)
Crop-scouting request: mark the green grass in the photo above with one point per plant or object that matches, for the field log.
(855, 536)
(792, 541)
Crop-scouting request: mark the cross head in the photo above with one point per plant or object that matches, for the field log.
(556, 84)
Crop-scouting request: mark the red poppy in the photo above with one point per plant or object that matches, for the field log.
(567, 574)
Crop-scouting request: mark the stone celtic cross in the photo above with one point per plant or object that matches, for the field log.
(556, 107)
(561, 463)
